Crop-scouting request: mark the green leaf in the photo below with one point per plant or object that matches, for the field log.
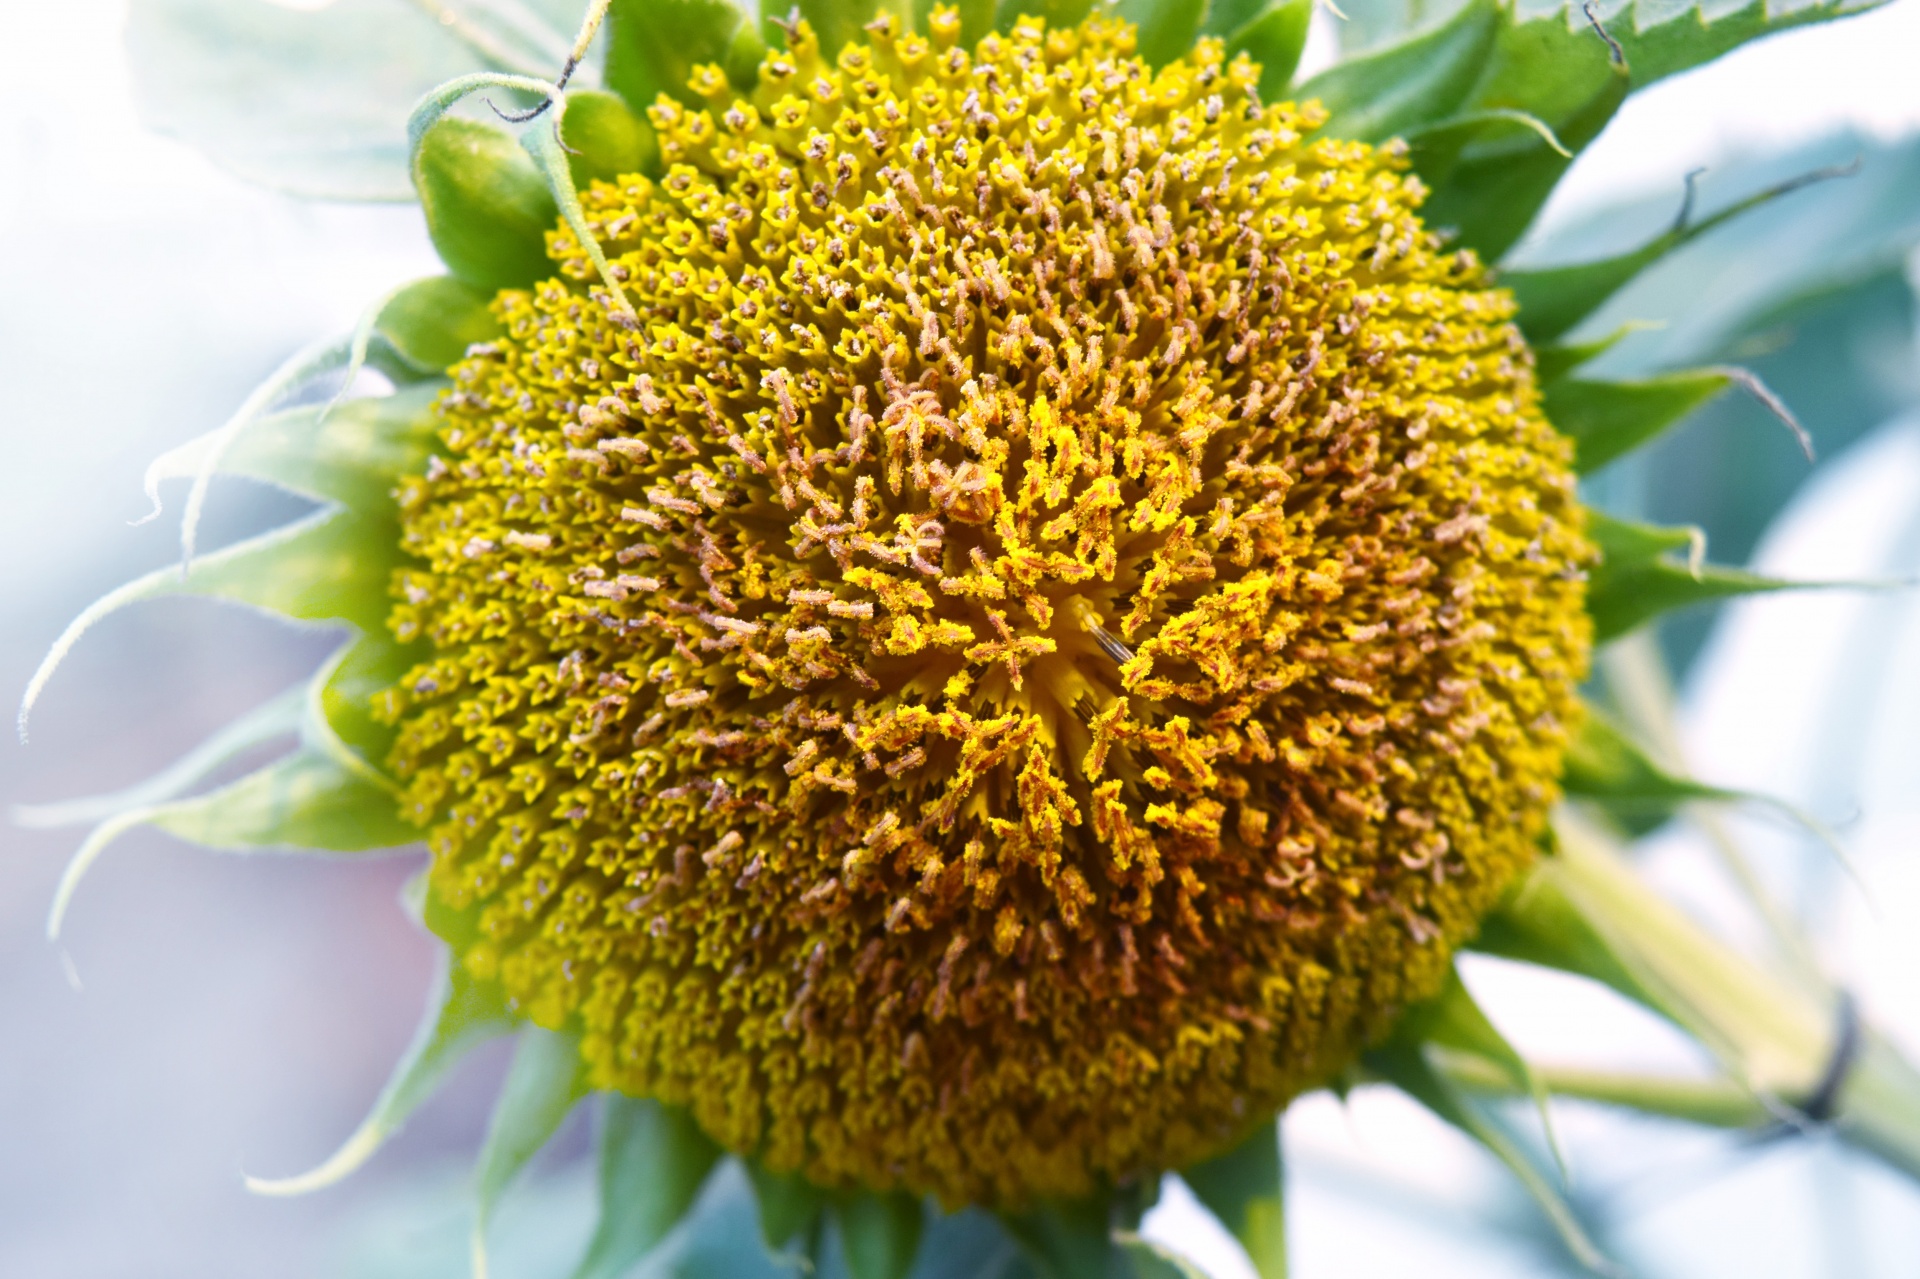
(790, 1205)
(606, 139)
(654, 45)
(1609, 419)
(1418, 82)
(1274, 37)
(880, 1233)
(431, 323)
(1149, 1260)
(1406, 1064)
(308, 101)
(1167, 28)
(1066, 1240)
(462, 1013)
(548, 1078)
(488, 207)
(653, 1161)
(1245, 1189)
(1636, 580)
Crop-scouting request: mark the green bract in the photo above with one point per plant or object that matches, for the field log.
(376, 100)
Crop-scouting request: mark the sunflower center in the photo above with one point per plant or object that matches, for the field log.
(1027, 645)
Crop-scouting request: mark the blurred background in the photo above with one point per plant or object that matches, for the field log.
(209, 1016)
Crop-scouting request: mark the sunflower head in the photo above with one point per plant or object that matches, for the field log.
(1008, 634)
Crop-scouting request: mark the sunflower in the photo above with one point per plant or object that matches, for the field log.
(968, 603)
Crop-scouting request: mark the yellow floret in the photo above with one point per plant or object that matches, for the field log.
(1024, 650)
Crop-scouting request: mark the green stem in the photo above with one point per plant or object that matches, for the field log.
(1584, 910)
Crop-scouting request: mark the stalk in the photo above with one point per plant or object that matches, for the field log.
(1793, 1049)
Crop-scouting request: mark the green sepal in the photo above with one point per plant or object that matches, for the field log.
(1274, 37)
(351, 453)
(330, 566)
(1069, 1239)
(653, 1161)
(431, 323)
(341, 695)
(1453, 1021)
(1420, 81)
(1166, 28)
(654, 45)
(1147, 1259)
(1553, 300)
(1636, 580)
(879, 1233)
(546, 1081)
(1405, 1063)
(278, 717)
(1604, 765)
(1607, 420)
(1559, 359)
(789, 1205)
(462, 1013)
(488, 207)
(1489, 192)
(606, 139)
(309, 799)
(1245, 1188)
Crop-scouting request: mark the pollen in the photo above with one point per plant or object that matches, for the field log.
(1026, 647)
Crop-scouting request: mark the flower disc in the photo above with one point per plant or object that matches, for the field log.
(1022, 639)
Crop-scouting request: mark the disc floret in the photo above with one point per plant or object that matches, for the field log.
(1029, 643)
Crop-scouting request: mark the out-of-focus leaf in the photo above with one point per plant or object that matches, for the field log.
(488, 207)
(654, 45)
(1274, 37)
(1703, 294)
(790, 1205)
(1057, 13)
(432, 322)
(606, 139)
(879, 1233)
(1554, 300)
(1636, 580)
(653, 1161)
(547, 1079)
(462, 1013)
(1066, 1240)
(1609, 419)
(1245, 1189)
(1406, 86)
(1146, 1259)
(309, 101)
(1167, 27)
